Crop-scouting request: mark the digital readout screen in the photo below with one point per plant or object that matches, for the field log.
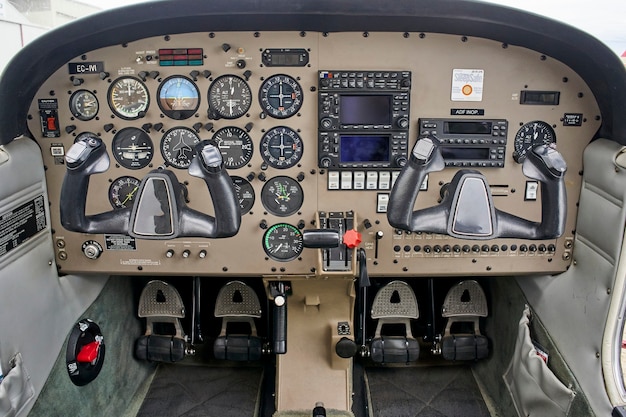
(464, 154)
(467, 128)
(365, 110)
(364, 148)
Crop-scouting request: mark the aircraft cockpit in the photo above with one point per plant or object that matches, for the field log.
(271, 208)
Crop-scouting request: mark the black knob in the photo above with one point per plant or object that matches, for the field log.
(401, 161)
(154, 74)
(417, 248)
(241, 64)
(301, 224)
(402, 123)
(77, 81)
(249, 126)
(194, 75)
(251, 176)
(551, 248)
(325, 162)
(108, 127)
(158, 126)
(225, 47)
(300, 177)
(466, 248)
(262, 176)
(523, 248)
(456, 248)
(197, 127)
(104, 75)
(495, 248)
(146, 127)
(476, 248)
(247, 74)
(143, 75)
(206, 73)
(532, 248)
(437, 249)
(69, 129)
(447, 248)
(324, 82)
(485, 248)
(263, 224)
(405, 82)
(326, 123)
(427, 249)
(542, 248)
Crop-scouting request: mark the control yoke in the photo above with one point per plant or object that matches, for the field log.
(159, 211)
(467, 210)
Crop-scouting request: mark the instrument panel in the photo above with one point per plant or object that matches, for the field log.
(313, 129)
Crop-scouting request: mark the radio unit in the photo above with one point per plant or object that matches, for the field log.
(469, 143)
(363, 119)
(362, 150)
(357, 100)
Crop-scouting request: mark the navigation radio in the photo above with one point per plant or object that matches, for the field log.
(469, 143)
(363, 118)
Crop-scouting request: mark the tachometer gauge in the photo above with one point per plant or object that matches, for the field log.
(177, 146)
(229, 97)
(179, 98)
(132, 148)
(84, 105)
(235, 145)
(531, 135)
(281, 147)
(283, 242)
(281, 96)
(122, 192)
(282, 196)
(128, 98)
(245, 193)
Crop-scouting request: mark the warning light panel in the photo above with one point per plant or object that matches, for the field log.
(181, 57)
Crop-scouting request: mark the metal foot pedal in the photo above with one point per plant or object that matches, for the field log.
(164, 341)
(238, 305)
(463, 306)
(395, 303)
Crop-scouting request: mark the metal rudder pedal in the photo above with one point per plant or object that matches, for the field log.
(162, 307)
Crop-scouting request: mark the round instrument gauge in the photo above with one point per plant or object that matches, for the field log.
(283, 242)
(531, 135)
(132, 148)
(229, 97)
(245, 193)
(281, 147)
(122, 192)
(84, 105)
(177, 147)
(128, 98)
(179, 98)
(282, 196)
(281, 96)
(235, 145)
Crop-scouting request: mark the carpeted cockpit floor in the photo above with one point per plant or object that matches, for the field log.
(435, 391)
(190, 391)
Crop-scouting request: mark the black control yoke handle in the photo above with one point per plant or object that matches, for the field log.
(467, 210)
(88, 156)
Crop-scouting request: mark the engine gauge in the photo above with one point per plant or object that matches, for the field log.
(229, 97)
(531, 135)
(84, 105)
(177, 147)
(132, 148)
(282, 196)
(245, 193)
(179, 98)
(235, 145)
(281, 96)
(122, 192)
(283, 242)
(128, 98)
(281, 147)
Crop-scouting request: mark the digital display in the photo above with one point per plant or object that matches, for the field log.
(361, 148)
(468, 128)
(365, 110)
(465, 154)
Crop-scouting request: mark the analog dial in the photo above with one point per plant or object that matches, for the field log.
(235, 145)
(281, 96)
(132, 148)
(122, 192)
(283, 242)
(84, 105)
(282, 196)
(179, 98)
(281, 147)
(128, 98)
(229, 97)
(531, 135)
(245, 193)
(177, 146)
